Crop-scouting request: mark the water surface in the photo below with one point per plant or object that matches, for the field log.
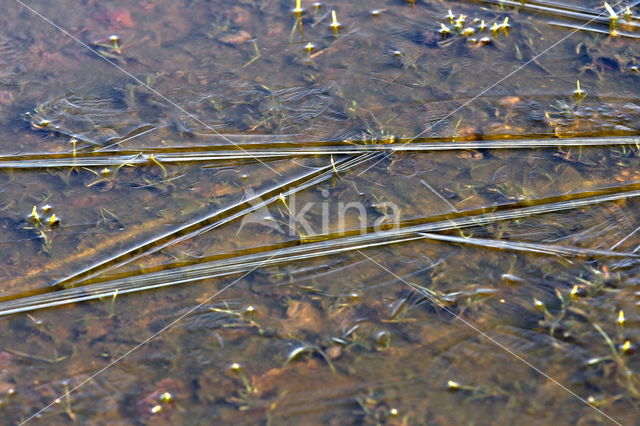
(226, 211)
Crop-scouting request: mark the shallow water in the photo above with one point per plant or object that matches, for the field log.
(231, 213)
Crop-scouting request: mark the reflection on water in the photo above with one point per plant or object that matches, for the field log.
(426, 214)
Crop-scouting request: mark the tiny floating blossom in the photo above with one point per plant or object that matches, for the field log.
(298, 10)
(335, 25)
(505, 25)
(467, 32)
(626, 347)
(578, 92)
(34, 216)
(250, 311)
(574, 292)
(42, 124)
(538, 304)
(621, 319)
(114, 39)
(444, 30)
(53, 220)
(612, 13)
(453, 385)
(450, 16)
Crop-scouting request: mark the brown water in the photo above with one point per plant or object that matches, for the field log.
(232, 213)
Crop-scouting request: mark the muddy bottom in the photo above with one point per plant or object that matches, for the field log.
(365, 212)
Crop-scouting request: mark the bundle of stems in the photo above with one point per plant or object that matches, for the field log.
(217, 218)
(330, 246)
(214, 153)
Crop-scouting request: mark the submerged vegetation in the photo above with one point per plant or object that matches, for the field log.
(274, 212)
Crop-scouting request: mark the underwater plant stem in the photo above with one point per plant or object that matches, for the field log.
(296, 252)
